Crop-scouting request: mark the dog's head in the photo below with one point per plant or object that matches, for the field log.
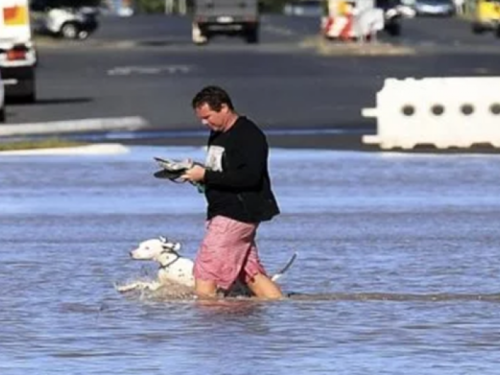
(152, 249)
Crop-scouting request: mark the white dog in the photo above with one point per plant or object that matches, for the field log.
(175, 268)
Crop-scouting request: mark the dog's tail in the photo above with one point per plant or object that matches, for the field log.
(281, 272)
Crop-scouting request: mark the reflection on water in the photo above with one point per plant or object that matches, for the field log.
(397, 269)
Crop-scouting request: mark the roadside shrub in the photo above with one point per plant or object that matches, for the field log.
(272, 6)
(150, 6)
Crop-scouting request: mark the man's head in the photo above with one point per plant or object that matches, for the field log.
(214, 108)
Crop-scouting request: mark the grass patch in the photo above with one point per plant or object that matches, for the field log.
(38, 144)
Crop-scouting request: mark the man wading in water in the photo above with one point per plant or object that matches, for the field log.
(239, 195)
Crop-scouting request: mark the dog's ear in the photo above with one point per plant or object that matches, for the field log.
(172, 246)
(163, 239)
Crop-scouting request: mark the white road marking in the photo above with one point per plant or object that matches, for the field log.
(149, 70)
(278, 30)
(74, 126)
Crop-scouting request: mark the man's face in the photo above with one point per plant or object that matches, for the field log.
(214, 120)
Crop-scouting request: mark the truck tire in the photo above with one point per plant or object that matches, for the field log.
(252, 36)
(30, 96)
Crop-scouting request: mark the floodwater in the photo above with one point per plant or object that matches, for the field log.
(397, 271)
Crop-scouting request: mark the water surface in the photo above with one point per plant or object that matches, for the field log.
(397, 270)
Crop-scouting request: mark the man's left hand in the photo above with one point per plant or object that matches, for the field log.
(195, 174)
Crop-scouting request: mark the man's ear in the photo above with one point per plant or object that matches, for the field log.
(224, 108)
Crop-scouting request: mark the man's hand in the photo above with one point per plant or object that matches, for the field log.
(195, 174)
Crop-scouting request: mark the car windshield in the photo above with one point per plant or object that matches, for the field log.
(311, 3)
(63, 3)
(436, 2)
(307, 4)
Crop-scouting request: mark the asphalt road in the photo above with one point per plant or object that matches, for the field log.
(147, 66)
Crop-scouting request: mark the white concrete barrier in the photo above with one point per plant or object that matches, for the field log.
(443, 112)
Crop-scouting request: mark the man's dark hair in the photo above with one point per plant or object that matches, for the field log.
(214, 96)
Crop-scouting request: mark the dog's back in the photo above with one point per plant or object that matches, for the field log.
(180, 272)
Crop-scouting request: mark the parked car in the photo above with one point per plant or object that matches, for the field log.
(56, 19)
(443, 8)
(486, 17)
(72, 23)
(312, 8)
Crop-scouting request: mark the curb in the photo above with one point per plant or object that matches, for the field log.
(100, 149)
(377, 48)
(72, 126)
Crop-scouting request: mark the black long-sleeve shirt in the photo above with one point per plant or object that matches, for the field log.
(237, 183)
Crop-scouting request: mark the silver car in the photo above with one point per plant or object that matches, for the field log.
(306, 8)
(443, 8)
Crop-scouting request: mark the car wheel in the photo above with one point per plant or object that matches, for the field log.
(477, 28)
(497, 32)
(69, 31)
(82, 35)
(252, 36)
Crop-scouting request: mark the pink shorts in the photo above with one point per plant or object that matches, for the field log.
(227, 253)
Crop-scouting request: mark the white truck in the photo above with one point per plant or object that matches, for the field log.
(17, 51)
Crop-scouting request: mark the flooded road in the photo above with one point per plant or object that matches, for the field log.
(397, 268)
